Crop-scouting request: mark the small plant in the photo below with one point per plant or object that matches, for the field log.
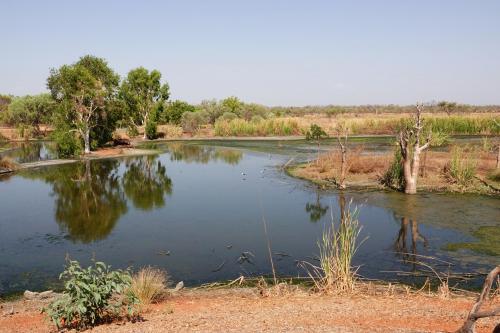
(90, 295)
(460, 170)
(148, 285)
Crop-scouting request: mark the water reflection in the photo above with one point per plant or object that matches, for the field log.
(27, 152)
(145, 182)
(202, 154)
(88, 199)
(316, 209)
(409, 227)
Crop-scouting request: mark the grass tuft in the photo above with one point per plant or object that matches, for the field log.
(149, 285)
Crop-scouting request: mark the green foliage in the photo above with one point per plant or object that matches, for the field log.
(213, 109)
(142, 92)
(315, 133)
(85, 92)
(249, 111)
(394, 176)
(241, 127)
(88, 295)
(447, 107)
(174, 111)
(67, 144)
(151, 130)
(232, 104)
(461, 169)
(192, 121)
(228, 116)
(29, 112)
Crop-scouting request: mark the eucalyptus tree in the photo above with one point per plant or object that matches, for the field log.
(143, 92)
(30, 111)
(85, 90)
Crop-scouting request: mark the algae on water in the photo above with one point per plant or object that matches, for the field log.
(488, 242)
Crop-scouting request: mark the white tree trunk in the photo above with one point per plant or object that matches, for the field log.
(86, 140)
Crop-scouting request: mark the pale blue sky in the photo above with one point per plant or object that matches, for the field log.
(270, 52)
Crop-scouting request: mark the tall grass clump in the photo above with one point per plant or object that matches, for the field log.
(7, 163)
(394, 176)
(337, 247)
(456, 125)
(461, 169)
(148, 285)
(257, 127)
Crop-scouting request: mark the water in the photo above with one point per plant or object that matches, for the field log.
(194, 208)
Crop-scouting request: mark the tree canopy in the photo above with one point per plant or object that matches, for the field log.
(84, 91)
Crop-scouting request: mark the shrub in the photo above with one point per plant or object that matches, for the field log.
(257, 119)
(67, 143)
(7, 163)
(461, 169)
(228, 116)
(394, 176)
(132, 131)
(170, 131)
(88, 295)
(192, 121)
(174, 111)
(494, 175)
(151, 130)
(148, 285)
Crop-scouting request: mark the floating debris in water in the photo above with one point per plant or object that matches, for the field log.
(282, 254)
(245, 257)
(229, 247)
(219, 267)
(163, 253)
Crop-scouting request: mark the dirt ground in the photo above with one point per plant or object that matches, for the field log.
(245, 310)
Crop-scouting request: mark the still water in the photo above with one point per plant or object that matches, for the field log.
(193, 208)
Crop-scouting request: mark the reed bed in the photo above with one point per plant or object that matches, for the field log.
(261, 127)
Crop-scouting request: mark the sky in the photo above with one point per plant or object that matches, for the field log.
(272, 52)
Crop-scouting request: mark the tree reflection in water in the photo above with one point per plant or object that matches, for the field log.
(191, 153)
(315, 209)
(409, 227)
(88, 198)
(145, 182)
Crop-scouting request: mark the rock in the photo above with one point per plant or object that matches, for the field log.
(179, 286)
(32, 295)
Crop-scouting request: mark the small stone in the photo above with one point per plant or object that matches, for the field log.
(179, 286)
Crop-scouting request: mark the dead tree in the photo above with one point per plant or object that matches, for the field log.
(342, 133)
(475, 313)
(409, 143)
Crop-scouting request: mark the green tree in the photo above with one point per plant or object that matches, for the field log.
(84, 91)
(173, 112)
(31, 111)
(142, 91)
(4, 104)
(213, 109)
(316, 133)
(232, 104)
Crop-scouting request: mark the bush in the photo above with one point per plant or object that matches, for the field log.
(228, 116)
(394, 176)
(460, 170)
(88, 295)
(132, 131)
(68, 145)
(192, 121)
(174, 111)
(7, 163)
(148, 285)
(151, 130)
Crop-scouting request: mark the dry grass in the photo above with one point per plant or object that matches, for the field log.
(8, 163)
(170, 131)
(149, 285)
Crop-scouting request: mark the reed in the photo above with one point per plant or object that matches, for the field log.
(262, 127)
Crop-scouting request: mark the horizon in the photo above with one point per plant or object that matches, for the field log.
(275, 54)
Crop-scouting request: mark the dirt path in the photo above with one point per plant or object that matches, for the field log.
(244, 310)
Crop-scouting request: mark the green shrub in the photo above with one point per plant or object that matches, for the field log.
(90, 296)
(461, 169)
(151, 130)
(192, 121)
(132, 131)
(394, 176)
(228, 116)
(67, 144)
(174, 111)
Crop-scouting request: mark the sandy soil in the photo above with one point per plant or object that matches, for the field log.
(245, 310)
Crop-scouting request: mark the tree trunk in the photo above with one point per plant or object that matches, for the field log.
(86, 140)
(410, 179)
(498, 156)
(343, 168)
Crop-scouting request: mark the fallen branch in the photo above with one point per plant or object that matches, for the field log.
(475, 314)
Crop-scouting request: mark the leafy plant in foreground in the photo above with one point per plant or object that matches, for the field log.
(90, 295)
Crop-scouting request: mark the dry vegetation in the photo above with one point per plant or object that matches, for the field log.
(367, 169)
